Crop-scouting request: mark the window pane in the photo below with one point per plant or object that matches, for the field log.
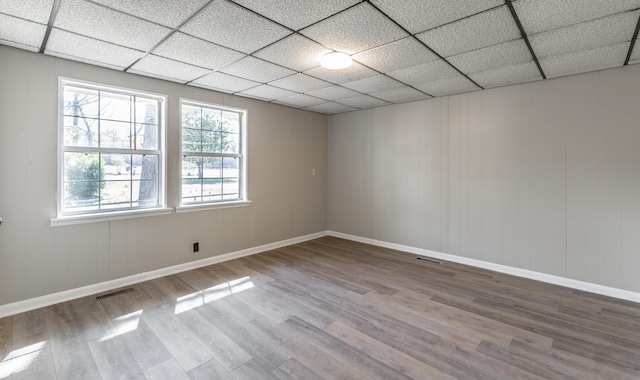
(211, 119)
(80, 102)
(191, 166)
(145, 137)
(191, 117)
(191, 140)
(115, 194)
(80, 131)
(230, 143)
(211, 187)
(211, 167)
(231, 122)
(82, 175)
(115, 106)
(231, 189)
(191, 190)
(211, 141)
(115, 134)
(116, 166)
(146, 111)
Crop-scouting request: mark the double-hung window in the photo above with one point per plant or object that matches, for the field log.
(213, 158)
(111, 150)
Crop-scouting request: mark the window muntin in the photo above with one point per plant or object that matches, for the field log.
(212, 144)
(111, 157)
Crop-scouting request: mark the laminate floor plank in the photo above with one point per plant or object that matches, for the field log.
(328, 309)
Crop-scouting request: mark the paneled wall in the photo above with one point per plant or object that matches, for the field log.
(542, 176)
(284, 145)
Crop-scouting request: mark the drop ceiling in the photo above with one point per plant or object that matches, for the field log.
(271, 49)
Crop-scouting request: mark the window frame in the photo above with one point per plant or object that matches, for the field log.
(242, 155)
(64, 217)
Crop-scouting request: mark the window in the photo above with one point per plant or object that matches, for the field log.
(213, 140)
(111, 155)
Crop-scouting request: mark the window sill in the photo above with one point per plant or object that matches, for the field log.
(108, 216)
(212, 206)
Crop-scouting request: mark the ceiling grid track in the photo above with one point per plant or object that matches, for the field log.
(47, 33)
(633, 42)
(525, 37)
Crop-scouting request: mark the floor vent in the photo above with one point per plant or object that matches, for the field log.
(429, 260)
(117, 292)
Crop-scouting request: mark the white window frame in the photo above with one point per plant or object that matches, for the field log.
(242, 176)
(67, 218)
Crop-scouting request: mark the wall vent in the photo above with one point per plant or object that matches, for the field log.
(429, 260)
(117, 292)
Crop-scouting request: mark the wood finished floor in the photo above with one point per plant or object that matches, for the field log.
(329, 309)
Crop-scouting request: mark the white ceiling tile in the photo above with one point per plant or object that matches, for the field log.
(425, 73)
(541, 15)
(420, 15)
(104, 24)
(475, 32)
(601, 32)
(354, 72)
(164, 68)
(507, 75)
(297, 14)
(506, 54)
(257, 70)
(373, 84)
(300, 83)
(330, 108)
(85, 49)
(334, 93)
(224, 82)
(33, 10)
(449, 86)
(400, 95)
(295, 52)
(396, 55)
(21, 33)
(355, 30)
(184, 48)
(227, 24)
(363, 101)
(302, 101)
(167, 13)
(584, 61)
(268, 92)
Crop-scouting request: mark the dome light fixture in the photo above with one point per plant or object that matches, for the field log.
(336, 60)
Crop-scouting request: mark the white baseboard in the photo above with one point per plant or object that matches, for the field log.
(67, 295)
(525, 273)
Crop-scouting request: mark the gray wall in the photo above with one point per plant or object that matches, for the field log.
(542, 176)
(35, 259)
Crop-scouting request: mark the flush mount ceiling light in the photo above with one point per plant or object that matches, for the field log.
(336, 60)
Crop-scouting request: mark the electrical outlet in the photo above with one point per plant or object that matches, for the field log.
(196, 247)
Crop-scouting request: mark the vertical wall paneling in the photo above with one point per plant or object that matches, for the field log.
(511, 185)
(454, 180)
(432, 172)
(576, 177)
(444, 175)
(475, 175)
(492, 176)
(403, 216)
(382, 174)
(611, 180)
(541, 176)
(630, 140)
(559, 178)
(416, 181)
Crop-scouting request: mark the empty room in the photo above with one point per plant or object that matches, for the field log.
(307, 189)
